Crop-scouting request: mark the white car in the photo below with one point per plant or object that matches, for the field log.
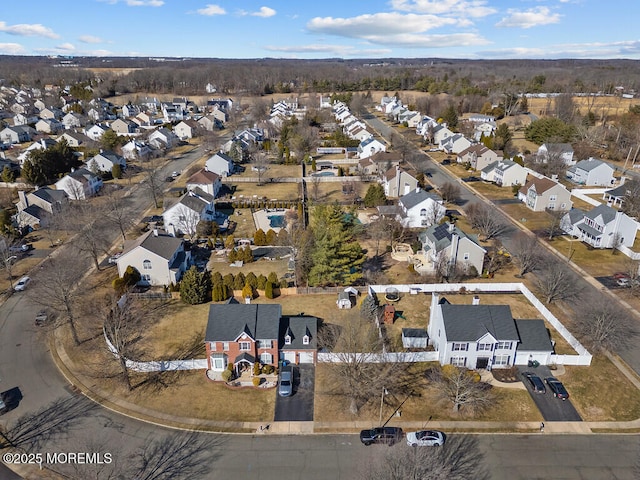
(425, 438)
(22, 284)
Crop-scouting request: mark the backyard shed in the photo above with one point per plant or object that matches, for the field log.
(414, 338)
(344, 300)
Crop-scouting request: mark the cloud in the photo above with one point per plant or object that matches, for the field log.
(533, 17)
(211, 10)
(624, 49)
(28, 30)
(137, 3)
(329, 50)
(264, 12)
(378, 24)
(65, 47)
(12, 48)
(470, 8)
(90, 39)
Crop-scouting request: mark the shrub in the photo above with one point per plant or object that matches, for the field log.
(268, 290)
(226, 375)
(256, 381)
(261, 282)
(230, 367)
(256, 369)
(268, 369)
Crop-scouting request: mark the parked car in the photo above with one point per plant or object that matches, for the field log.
(620, 275)
(285, 388)
(114, 258)
(22, 284)
(386, 435)
(446, 161)
(470, 179)
(623, 282)
(20, 248)
(536, 383)
(425, 438)
(557, 388)
(41, 318)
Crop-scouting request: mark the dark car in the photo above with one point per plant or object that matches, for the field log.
(386, 435)
(536, 383)
(557, 388)
(446, 161)
(470, 179)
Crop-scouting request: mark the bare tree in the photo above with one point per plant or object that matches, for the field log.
(486, 220)
(57, 288)
(459, 459)
(526, 254)
(450, 192)
(89, 224)
(557, 282)
(153, 183)
(401, 145)
(555, 222)
(315, 187)
(353, 374)
(604, 325)
(187, 220)
(259, 161)
(8, 256)
(631, 200)
(116, 212)
(462, 388)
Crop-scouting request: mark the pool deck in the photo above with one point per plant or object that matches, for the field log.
(261, 219)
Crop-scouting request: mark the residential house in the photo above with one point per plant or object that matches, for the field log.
(49, 125)
(105, 161)
(370, 146)
(379, 162)
(446, 244)
(186, 129)
(419, 209)
(209, 123)
(220, 164)
(553, 151)
(455, 143)
(440, 133)
(410, 117)
(124, 126)
(478, 156)
(397, 182)
(183, 216)
(485, 336)
(80, 184)
(425, 126)
(504, 173)
(95, 132)
(17, 134)
(160, 258)
(616, 196)
(542, 193)
(481, 118)
(591, 172)
(601, 227)
(73, 120)
(136, 149)
(130, 110)
(74, 139)
(485, 129)
(42, 144)
(36, 208)
(163, 138)
(206, 181)
(221, 117)
(245, 334)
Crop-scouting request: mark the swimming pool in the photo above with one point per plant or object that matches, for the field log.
(324, 174)
(277, 221)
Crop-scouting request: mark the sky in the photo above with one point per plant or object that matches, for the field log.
(472, 29)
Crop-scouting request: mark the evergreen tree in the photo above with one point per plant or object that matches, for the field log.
(272, 237)
(273, 277)
(369, 307)
(8, 175)
(195, 287)
(261, 282)
(216, 277)
(375, 196)
(239, 281)
(110, 140)
(228, 280)
(116, 171)
(252, 280)
(247, 255)
(247, 291)
(268, 290)
(450, 116)
(259, 238)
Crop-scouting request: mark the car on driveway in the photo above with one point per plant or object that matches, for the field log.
(557, 388)
(536, 382)
(22, 284)
(425, 438)
(114, 258)
(385, 435)
(41, 318)
(285, 386)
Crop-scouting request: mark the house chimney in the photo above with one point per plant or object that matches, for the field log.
(451, 227)
(23, 199)
(155, 232)
(418, 189)
(476, 300)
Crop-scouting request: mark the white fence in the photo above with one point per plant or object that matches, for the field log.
(399, 357)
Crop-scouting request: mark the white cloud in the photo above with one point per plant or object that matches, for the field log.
(378, 24)
(144, 3)
(625, 49)
(533, 17)
(90, 39)
(329, 50)
(28, 30)
(12, 48)
(470, 8)
(66, 47)
(211, 10)
(264, 12)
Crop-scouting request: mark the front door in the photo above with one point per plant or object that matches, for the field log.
(482, 362)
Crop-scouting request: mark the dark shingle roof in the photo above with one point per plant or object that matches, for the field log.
(163, 244)
(414, 333)
(227, 321)
(416, 197)
(608, 213)
(468, 323)
(534, 336)
(297, 327)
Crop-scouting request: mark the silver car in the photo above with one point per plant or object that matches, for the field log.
(285, 388)
(425, 438)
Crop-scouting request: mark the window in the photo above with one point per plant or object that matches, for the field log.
(501, 360)
(287, 339)
(145, 277)
(423, 212)
(266, 358)
(553, 198)
(245, 346)
(146, 265)
(459, 347)
(305, 340)
(484, 347)
(225, 346)
(182, 218)
(466, 256)
(504, 345)
(265, 343)
(552, 206)
(218, 363)
(459, 361)
(212, 346)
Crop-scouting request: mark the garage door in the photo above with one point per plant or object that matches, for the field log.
(289, 356)
(306, 357)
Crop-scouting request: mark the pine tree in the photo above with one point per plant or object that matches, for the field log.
(369, 307)
(261, 282)
(195, 287)
(247, 291)
(252, 280)
(268, 290)
(247, 254)
(239, 281)
(259, 238)
(116, 170)
(375, 196)
(273, 277)
(272, 237)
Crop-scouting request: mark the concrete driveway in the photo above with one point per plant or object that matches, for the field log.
(552, 409)
(299, 406)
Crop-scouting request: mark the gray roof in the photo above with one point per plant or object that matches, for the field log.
(575, 215)
(468, 323)
(414, 333)
(228, 321)
(49, 195)
(193, 202)
(440, 236)
(297, 327)
(416, 197)
(499, 165)
(534, 336)
(621, 190)
(590, 230)
(163, 244)
(587, 165)
(608, 213)
(559, 147)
